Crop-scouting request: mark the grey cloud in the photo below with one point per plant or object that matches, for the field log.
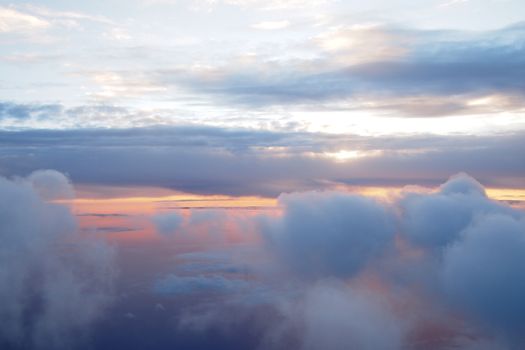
(189, 285)
(78, 116)
(109, 229)
(167, 224)
(330, 234)
(74, 285)
(245, 161)
(483, 272)
(326, 315)
(462, 184)
(366, 292)
(212, 256)
(437, 220)
(216, 262)
(51, 185)
(103, 215)
(435, 65)
(219, 267)
(472, 254)
(338, 318)
(11, 110)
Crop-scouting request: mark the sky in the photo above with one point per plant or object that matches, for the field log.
(247, 174)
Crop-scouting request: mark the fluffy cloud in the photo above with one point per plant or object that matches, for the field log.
(423, 269)
(51, 185)
(54, 284)
(330, 234)
(468, 252)
(484, 271)
(437, 219)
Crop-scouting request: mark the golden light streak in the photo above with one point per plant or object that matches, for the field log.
(97, 214)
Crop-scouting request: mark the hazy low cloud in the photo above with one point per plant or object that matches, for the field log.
(339, 318)
(198, 285)
(54, 284)
(167, 224)
(483, 270)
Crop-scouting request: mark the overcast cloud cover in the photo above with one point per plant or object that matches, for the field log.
(266, 163)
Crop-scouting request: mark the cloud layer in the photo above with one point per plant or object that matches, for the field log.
(417, 63)
(213, 160)
(423, 269)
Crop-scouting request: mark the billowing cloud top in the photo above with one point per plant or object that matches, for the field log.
(330, 234)
(423, 269)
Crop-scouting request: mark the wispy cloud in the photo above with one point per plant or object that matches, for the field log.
(271, 25)
(14, 21)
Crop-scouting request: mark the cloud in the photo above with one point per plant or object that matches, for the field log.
(254, 4)
(455, 246)
(108, 229)
(436, 220)
(113, 84)
(15, 111)
(14, 21)
(54, 284)
(216, 267)
(328, 315)
(365, 43)
(203, 285)
(51, 185)
(330, 234)
(338, 318)
(216, 262)
(340, 271)
(212, 225)
(167, 224)
(266, 163)
(387, 67)
(462, 184)
(58, 16)
(483, 271)
(450, 3)
(271, 25)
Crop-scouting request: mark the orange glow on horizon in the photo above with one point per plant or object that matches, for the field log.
(116, 214)
(130, 217)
